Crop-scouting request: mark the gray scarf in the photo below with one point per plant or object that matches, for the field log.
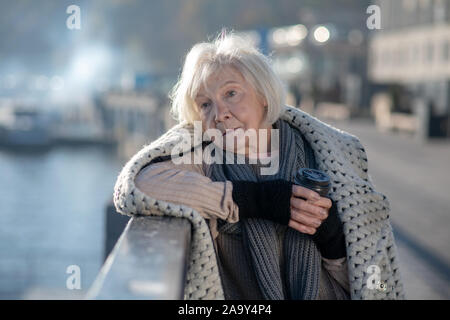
(302, 261)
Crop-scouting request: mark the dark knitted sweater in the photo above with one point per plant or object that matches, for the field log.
(271, 200)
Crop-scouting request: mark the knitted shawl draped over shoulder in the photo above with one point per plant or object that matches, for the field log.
(363, 211)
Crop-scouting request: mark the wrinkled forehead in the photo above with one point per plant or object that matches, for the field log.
(210, 75)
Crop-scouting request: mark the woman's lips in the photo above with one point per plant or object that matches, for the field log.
(230, 130)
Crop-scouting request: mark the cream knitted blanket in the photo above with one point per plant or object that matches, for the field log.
(363, 211)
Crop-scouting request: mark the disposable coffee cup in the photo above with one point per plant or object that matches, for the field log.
(313, 179)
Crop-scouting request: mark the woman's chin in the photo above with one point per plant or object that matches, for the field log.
(240, 151)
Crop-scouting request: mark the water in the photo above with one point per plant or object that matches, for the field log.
(52, 209)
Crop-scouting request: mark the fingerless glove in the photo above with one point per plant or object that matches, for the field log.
(265, 200)
(271, 200)
(329, 237)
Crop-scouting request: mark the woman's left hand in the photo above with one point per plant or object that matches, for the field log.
(308, 209)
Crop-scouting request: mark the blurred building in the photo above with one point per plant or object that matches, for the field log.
(132, 119)
(323, 62)
(410, 57)
(320, 64)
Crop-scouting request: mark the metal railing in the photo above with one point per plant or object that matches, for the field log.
(149, 261)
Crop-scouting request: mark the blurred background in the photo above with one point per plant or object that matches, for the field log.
(78, 97)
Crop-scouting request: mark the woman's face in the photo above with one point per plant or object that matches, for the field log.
(229, 102)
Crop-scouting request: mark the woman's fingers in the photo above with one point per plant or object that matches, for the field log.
(300, 204)
(301, 227)
(304, 218)
(305, 193)
(307, 215)
(311, 196)
(322, 202)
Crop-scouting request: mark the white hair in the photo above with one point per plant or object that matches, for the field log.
(205, 58)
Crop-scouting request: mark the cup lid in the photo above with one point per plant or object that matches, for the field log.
(316, 177)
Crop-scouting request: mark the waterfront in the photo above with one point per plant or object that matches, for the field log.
(103, 73)
(52, 216)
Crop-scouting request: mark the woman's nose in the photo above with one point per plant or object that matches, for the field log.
(222, 113)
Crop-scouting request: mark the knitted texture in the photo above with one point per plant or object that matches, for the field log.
(299, 280)
(363, 211)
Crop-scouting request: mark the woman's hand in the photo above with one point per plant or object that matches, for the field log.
(308, 209)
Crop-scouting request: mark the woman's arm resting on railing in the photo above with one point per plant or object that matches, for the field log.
(187, 185)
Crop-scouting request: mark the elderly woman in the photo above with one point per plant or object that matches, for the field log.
(257, 235)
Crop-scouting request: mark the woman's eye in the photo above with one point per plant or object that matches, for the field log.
(231, 93)
(205, 105)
